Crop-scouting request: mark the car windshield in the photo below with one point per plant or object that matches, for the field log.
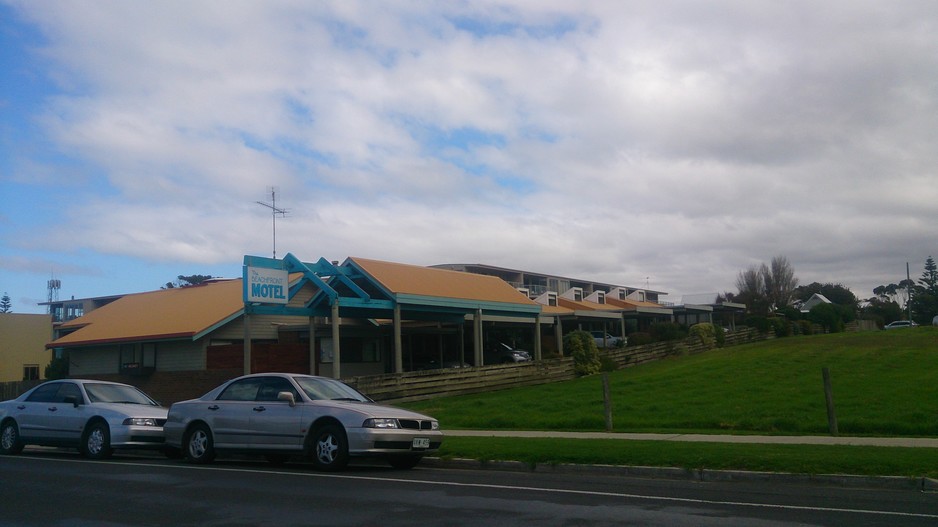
(117, 393)
(322, 388)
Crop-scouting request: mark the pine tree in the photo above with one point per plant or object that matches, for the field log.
(925, 294)
(5, 305)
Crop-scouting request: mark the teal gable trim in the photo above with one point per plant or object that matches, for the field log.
(234, 316)
(332, 281)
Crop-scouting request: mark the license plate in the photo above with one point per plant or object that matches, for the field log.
(421, 442)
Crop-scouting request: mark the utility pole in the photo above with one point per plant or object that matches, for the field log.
(273, 213)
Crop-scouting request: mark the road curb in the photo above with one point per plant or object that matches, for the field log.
(703, 475)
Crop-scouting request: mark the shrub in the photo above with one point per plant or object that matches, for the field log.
(761, 324)
(720, 335)
(827, 316)
(780, 326)
(57, 368)
(805, 327)
(789, 312)
(583, 349)
(705, 333)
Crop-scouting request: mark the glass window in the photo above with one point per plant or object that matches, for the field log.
(272, 386)
(116, 393)
(322, 388)
(67, 389)
(44, 393)
(243, 390)
(30, 372)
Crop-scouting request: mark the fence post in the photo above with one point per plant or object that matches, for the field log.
(607, 402)
(829, 397)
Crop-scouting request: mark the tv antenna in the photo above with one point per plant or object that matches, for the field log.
(274, 210)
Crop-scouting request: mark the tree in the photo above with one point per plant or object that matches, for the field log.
(6, 306)
(898, 293)
(751, 290)
(883, 311)
(187, 281)
(767, 287)
(780, 282)
(924, 301)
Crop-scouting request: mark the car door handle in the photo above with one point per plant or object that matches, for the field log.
(213, 407)
(21, 407)
(53, 409)
(259, 409)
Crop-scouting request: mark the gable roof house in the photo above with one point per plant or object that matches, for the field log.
(815, 300)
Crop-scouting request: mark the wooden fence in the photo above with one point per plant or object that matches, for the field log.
(417, 385)
(12, 390)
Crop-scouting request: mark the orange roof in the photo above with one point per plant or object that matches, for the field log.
(555, 310)
(426, 281)
(586, 304)
(168, 313)
(630, 304)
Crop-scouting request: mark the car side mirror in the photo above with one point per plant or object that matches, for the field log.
(71, 399)
(288, 397)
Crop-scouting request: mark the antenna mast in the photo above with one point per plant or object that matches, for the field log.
(53, 285)
(273, 213)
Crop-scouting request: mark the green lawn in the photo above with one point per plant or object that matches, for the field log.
(885, 384)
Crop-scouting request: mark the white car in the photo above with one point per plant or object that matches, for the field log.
(605, 340)
(94, 416)
(285, 414)
(900, 324)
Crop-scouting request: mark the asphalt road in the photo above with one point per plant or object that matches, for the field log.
(53, 488)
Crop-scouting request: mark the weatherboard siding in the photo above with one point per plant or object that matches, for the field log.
(180, 356)
(94, 361)
(263, 327)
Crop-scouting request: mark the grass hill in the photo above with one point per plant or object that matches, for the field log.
(885, 383)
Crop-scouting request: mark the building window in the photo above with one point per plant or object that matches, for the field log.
(31, 372)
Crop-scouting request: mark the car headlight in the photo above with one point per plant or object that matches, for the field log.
(376, 422)
(140, 421)
(435, 425)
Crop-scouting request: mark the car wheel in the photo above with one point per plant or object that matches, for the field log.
(330, 447)
(198, 445)
(404, 462)
(96, 443)
(10, 441)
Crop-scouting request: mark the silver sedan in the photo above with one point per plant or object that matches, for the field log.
(94, 416)
(284, 414)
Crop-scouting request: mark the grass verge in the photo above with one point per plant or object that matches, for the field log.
(797, 459)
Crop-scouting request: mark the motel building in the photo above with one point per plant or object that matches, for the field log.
(359, 318)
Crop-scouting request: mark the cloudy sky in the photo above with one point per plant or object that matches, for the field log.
(669, 143)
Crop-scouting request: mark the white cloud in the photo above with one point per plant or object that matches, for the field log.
(676, 142)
